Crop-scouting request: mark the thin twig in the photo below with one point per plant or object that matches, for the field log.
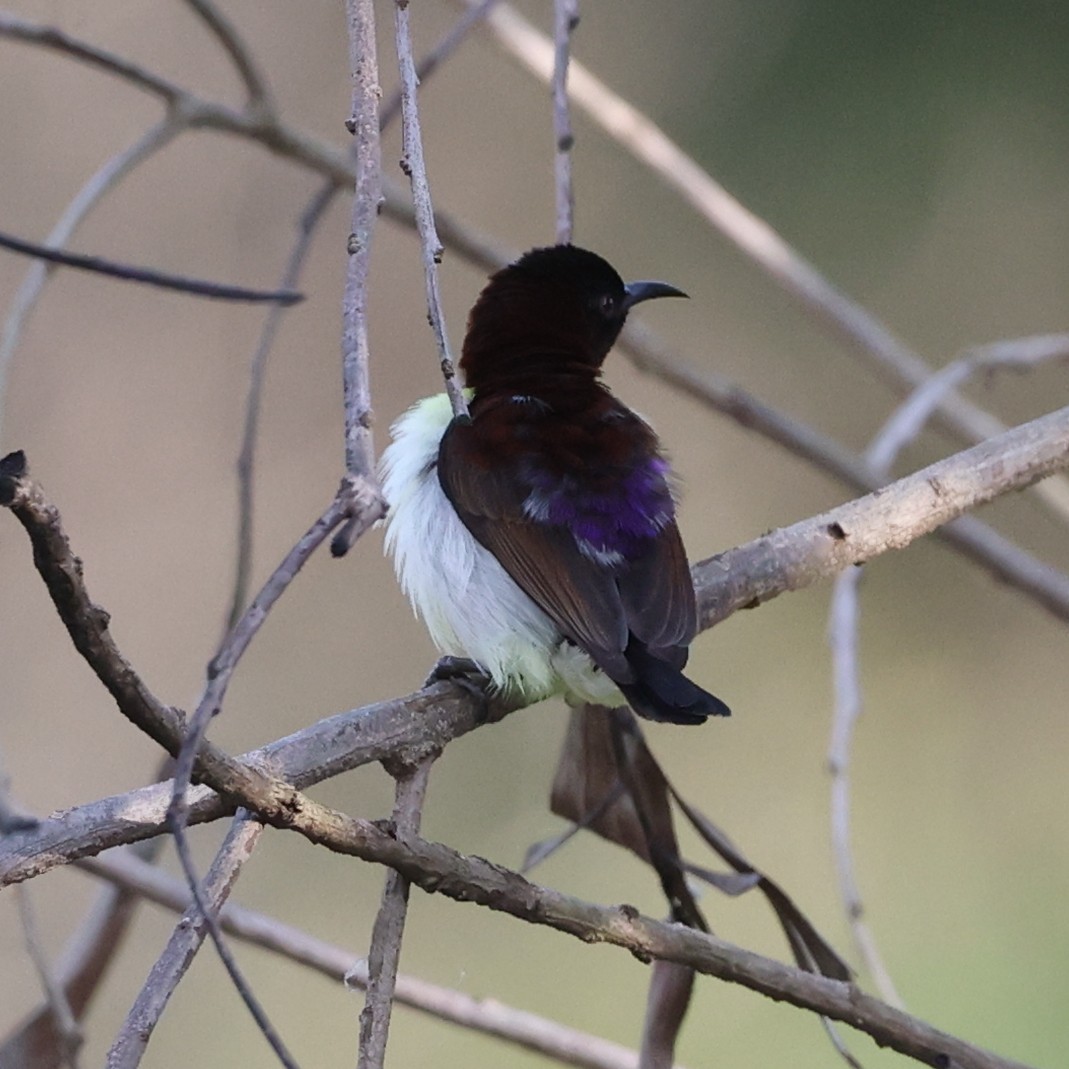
(413, 165)
(364, 125)
(106, 178)
(900, 429)
(36, 1041)
(388, 931)
(908, 420)
(842, 638)
(485, 1015)
(51, 37)
(132, 1040)
(310, 218)
(861, 332)
(437, 55)
(62, 1017)
(128, 273)
(367, 508)
(66, 1024)
(565, 20)
(259, 95)
(345, 507)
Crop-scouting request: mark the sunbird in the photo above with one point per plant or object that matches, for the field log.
(537, 536)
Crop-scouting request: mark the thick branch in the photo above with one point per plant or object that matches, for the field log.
(787, 559)
(890, 518)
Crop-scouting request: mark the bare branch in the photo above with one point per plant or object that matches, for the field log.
(109, 175)
(364, 125)
(488, 1016)
(437, 868)
(902, 427)
(842, 637)
(361, 502)
(360, 514)
(51, 37)
(388, 931)
(133, 1038)
(890, 518)
(450, 42)
(414, 166)
(38, 1040)
(306, 227)
(907, 421)
(147, 275)
(66, 1024)
(227, 35)
(565, 20)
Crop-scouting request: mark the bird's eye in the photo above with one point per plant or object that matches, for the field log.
(606, 305)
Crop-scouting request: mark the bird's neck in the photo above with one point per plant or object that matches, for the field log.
(535, 373)
(563, 392)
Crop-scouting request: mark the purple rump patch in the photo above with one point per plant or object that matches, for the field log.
(610, 521)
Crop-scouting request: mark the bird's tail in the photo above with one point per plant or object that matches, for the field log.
(661, 692)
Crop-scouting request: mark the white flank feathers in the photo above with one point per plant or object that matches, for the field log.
(470, 604)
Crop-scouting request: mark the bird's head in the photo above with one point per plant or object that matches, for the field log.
(555, 310)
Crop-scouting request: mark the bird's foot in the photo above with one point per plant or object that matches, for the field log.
(469, 676)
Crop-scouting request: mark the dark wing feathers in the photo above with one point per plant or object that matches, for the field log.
(658, 598)
(597, 607)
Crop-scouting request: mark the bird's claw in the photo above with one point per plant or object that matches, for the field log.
(468, 675)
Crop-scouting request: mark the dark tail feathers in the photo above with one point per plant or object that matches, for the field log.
(661, 692)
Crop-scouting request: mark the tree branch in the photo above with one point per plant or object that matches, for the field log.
(364, 126)
(164, 280)
(385, 953)
(889, 518)
(565, 20)
(259, 94)
(787, 559)
(415, 167)
(132, 1041)
(488, 1016)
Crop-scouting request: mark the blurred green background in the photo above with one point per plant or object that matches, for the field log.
(916, 152)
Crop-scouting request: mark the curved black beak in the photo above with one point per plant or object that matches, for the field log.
(646, 290)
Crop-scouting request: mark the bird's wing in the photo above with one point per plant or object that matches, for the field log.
(579, 595)
(657, 594)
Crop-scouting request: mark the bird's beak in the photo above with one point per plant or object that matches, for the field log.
(646, 290)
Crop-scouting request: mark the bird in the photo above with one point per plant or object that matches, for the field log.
(537, 535)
